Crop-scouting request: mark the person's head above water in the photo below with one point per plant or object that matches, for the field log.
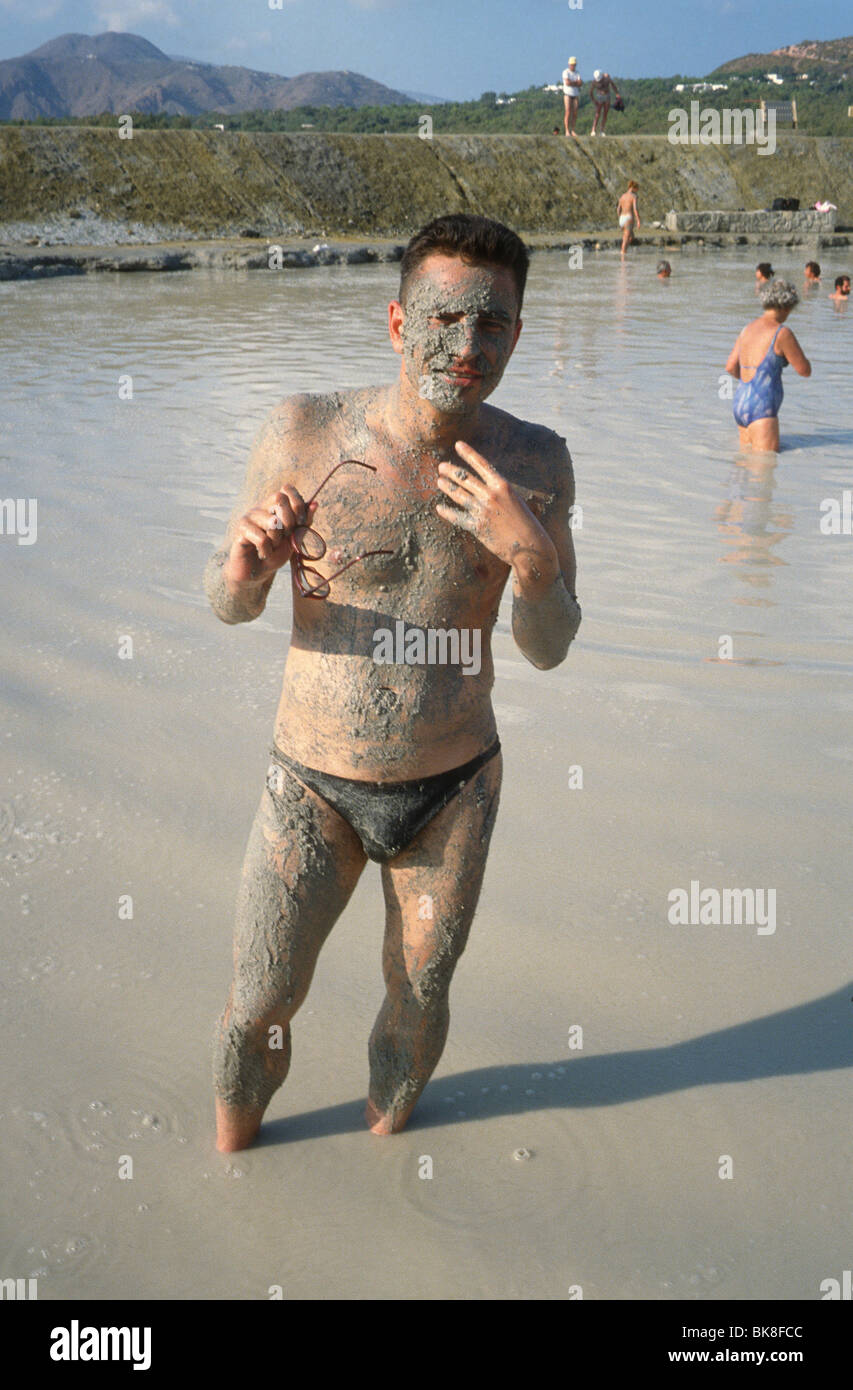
(842, 284)
(764, 271)
(781, 296)
(812, 270)
(457, 321)
(475, 240)
(664, 270)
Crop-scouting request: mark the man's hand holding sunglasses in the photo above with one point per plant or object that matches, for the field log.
(262, 543)
(270, 535)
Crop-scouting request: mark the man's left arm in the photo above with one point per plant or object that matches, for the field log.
(545, 612)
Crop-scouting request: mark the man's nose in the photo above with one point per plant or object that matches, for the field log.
(469, 336)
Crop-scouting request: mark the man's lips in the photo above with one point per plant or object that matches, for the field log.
(462, 374)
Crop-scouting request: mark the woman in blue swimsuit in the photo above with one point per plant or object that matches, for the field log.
(762, 351)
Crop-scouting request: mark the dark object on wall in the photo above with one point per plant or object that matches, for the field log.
(785, 205)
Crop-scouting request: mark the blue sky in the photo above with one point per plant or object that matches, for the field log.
(452, 48)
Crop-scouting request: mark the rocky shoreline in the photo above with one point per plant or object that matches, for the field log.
(21, 261)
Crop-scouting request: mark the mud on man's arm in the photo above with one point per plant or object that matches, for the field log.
(540, 554)
(545, 612)
(239, 575)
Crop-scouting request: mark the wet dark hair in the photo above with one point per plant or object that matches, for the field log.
(765, 269)
(814, 268)
(839, 280)
(474, 239)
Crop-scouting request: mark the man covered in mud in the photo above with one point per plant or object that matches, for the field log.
(403, 510)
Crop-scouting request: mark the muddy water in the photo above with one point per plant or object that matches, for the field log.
(705, 709)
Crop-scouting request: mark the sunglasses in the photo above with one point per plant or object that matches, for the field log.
(308, 544)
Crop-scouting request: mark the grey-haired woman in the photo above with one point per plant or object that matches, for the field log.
(763, 349)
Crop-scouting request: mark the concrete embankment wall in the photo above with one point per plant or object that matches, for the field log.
(210, 183)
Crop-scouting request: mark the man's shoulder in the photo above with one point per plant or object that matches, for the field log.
(528, 453)
(315, 409)
(306, 407)
(526, 436)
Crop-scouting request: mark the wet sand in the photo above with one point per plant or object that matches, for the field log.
(140, 777)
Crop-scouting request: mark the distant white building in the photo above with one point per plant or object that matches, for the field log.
(702, 87)
(504, 101)
(775, 78)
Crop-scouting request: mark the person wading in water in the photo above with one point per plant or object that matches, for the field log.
(401, 506)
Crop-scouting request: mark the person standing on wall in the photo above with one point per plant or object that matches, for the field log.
(600, 90)
(572, 83)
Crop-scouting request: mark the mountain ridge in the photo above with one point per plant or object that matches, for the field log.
(85, 75)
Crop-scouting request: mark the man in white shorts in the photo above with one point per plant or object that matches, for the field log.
(572, 83)
(628, 211)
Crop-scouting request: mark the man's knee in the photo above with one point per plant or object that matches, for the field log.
(430, 982)
(250, 1057)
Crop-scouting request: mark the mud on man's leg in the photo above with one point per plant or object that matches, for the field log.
(431, 893)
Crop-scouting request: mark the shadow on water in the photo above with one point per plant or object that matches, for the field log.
(815, 441)
(812, 1037)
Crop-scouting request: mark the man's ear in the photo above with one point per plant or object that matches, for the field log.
(396, 315)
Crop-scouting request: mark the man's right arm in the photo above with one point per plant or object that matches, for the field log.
(231, 602)
(240, 574)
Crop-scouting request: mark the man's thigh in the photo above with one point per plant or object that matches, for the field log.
(432, 888)
(302, 863)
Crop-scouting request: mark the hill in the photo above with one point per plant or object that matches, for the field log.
(830, 56)
(79, 75)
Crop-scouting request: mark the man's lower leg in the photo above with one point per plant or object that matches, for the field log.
(405, 1047)
(249, 1065)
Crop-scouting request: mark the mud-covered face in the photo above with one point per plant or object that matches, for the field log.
(459, 328)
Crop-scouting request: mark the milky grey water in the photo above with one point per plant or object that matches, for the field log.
(708, 700)
(677, 540)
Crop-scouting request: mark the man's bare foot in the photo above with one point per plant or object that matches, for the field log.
(235, 1129)
(378, 1123)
